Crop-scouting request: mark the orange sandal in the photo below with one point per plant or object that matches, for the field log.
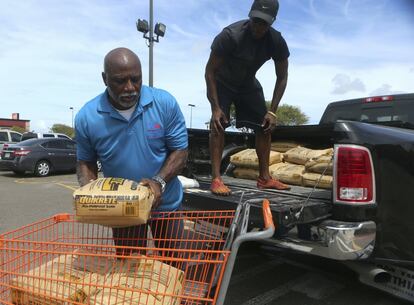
(219, 188)
(271, 184)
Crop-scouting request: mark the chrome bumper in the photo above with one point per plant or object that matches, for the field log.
(333, 239)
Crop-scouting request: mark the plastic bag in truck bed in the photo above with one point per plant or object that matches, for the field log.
(248, 158)
(287, 172)
(301, 155)
(113, 202)
(321, 164)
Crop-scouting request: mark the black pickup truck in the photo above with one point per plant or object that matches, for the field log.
(366, 220)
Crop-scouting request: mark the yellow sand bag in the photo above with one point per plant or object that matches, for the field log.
(56, 278)
(148, 282)
(283, 146)
(301, 155)
(320, 164)
(287, 172)
(311, 179)
(248, 158)
(246, 173)
(113, 202)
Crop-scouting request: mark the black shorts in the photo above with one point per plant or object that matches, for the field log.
(250, 106)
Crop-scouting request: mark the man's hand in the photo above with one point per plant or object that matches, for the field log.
(156, 190)
(269, 123)
(217, 118)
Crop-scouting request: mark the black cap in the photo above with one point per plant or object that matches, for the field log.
(264, 9)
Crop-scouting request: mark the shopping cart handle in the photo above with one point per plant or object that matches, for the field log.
(267, 215)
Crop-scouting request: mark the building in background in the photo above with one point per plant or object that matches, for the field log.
(14, 121)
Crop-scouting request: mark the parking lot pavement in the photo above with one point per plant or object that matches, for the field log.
(25, 199)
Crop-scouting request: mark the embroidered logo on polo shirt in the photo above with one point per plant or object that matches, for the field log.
(155, 130)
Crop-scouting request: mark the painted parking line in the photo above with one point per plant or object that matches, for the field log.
(66, 186)
(71, 185)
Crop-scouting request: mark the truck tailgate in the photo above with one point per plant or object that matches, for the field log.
(299, 205)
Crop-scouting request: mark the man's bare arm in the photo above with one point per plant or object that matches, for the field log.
(214, 62)
(281, 82)
(86, 171)
(171, 168)
(174, 164)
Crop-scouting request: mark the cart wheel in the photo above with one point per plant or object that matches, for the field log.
(42, 168)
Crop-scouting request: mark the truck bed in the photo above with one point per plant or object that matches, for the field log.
(299, 205)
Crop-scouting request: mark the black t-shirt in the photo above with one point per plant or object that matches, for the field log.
(244, 55)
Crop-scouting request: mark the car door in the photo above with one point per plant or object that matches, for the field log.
(56, 154)
(4, 138)
(70, 147)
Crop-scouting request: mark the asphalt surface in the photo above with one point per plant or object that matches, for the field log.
(261, 276)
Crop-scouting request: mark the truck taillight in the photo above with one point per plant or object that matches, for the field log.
(378, 99)
(354, 175)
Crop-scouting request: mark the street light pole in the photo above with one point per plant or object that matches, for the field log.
(151, 44)
(149, 31)
(71, 108)
(191, 114)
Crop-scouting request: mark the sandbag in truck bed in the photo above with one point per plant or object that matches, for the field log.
(113, 202)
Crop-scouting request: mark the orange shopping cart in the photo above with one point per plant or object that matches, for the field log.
(59, 261)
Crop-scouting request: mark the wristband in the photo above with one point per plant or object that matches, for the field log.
(272, 114)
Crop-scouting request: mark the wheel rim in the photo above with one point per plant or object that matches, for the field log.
(43, 169)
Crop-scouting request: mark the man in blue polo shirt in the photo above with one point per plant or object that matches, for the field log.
(135, 131)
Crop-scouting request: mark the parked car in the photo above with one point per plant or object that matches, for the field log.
(9, 137)
(40, 156)
(40, 135)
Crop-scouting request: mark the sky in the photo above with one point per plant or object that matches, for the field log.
(51, 52)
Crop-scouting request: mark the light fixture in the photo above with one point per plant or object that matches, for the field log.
(160, 29)
(142, 26)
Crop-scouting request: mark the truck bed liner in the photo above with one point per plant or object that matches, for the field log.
(289, 208)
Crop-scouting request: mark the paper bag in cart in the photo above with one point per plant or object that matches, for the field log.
(114, 202)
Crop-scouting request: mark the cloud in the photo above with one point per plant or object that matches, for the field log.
(344, 84)
(39, 126)
(412, 70)
(384, 90)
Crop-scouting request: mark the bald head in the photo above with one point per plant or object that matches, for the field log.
(123, 77)
(120, 57)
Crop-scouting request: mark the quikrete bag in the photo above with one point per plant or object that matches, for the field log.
(246, 173)
(113, 202)
(56, 278)
(248, 158)
(301, 155)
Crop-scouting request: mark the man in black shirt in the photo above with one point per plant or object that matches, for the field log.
(237, 53)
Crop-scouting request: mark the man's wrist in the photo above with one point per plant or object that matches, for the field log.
(272, 114)
(160, 181)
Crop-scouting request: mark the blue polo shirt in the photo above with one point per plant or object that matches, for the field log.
(137, 148)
